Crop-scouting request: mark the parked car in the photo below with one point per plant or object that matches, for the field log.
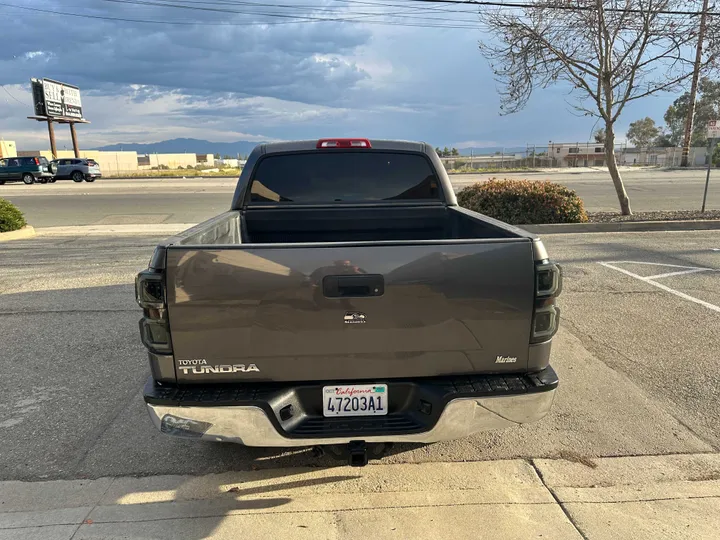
(347, 300)
(78, 169)
(26, 169)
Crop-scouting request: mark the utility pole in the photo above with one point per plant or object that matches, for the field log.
(694, 85)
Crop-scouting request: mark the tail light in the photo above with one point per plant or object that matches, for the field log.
(154, 327)
(343, 143)
(37, 161)
(546, 315)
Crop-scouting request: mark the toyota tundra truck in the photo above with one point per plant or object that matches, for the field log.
(345, 299)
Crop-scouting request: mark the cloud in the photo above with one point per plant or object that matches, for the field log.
(294, 62)
(220, 75)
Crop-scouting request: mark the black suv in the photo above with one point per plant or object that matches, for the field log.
(27, 169)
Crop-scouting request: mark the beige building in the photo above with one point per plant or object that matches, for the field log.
(589, 154)
(171, 161)
(111, 163)
(8, 149)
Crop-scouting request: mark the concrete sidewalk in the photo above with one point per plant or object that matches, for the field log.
(642, 497)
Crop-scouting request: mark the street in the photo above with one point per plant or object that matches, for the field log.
(161, 200)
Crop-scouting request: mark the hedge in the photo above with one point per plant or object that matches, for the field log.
(524, 202)
(11, 219)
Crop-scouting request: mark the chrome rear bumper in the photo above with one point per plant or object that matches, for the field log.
(250, 426)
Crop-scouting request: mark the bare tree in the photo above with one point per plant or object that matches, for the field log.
(609, 52)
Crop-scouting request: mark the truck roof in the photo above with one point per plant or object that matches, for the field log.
(311, 144)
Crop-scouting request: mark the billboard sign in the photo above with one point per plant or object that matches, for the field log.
(713, 130)
(56, 99)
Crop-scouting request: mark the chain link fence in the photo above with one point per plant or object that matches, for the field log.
(572, 155)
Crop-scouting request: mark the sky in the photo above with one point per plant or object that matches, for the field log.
(228, 70)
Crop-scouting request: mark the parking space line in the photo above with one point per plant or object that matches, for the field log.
(680, 273)
(665, 288)
(660, 264)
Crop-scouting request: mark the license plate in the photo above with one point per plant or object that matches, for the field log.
(355, 400)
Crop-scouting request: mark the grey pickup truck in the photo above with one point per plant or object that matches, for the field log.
(346, 300)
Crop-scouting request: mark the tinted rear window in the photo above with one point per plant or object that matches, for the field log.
(91, 163)
(337, 176)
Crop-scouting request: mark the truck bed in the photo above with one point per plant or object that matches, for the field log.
(352, 224)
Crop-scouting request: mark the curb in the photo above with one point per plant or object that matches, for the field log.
(139, 229)
(25, 232)
(170, 177)
(623, 226)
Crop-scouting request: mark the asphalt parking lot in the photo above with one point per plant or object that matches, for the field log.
(637, 359)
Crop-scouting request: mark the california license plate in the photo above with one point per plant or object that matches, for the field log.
(355, 400)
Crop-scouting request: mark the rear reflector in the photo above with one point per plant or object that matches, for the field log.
(343, 143)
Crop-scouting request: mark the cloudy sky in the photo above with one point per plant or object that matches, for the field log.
(227, 70)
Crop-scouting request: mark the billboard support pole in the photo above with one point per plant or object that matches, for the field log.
(74, 139)
(51, 132)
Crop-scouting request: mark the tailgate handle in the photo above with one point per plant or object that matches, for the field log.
(354, 286)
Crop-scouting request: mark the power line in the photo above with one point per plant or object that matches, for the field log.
(397, 19)
(559, 7)
(293, 20)
(161, 3)
(9, 94)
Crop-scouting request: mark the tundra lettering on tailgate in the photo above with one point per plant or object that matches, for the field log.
(199, 367)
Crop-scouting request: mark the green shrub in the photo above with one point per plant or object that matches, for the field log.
(524, 202)
(11, 219)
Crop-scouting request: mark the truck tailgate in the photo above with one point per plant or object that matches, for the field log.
(350, 312)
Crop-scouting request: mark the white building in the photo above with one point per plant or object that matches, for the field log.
(588, 154)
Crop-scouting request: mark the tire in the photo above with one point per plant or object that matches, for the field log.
(43, 180)
(77, 176)
(52, 180)
(89, 179)
(28, 179)
(2, 182)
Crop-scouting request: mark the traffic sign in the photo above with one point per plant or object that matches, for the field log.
(713, 129)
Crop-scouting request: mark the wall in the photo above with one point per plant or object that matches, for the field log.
(110, 162)
(8, 149)
(234, 163)
(173, 161)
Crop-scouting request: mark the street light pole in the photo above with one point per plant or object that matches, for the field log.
(694, 86)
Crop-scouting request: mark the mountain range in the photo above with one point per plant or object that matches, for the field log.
(181, 146)
(243, 148)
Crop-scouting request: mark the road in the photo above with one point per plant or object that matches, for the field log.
(637, 360)
(192, 200)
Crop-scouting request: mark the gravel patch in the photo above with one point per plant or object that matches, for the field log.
(676, 215)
